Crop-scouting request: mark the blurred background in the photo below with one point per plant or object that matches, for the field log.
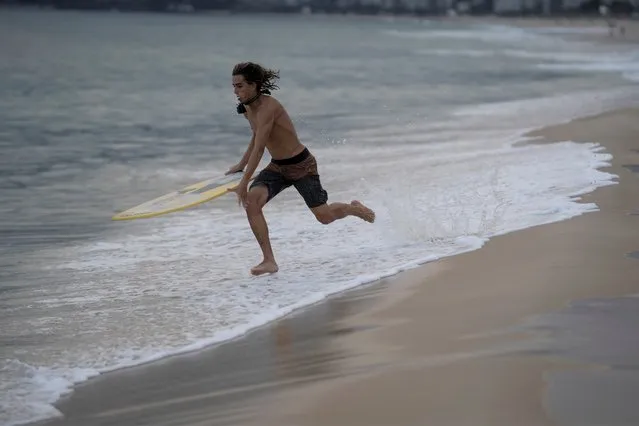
(367, 7)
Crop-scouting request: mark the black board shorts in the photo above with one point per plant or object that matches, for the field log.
(300, 171)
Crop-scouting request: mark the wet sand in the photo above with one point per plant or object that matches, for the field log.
(538, 327)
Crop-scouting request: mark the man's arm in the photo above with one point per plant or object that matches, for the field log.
(245, 158)
(264, 126)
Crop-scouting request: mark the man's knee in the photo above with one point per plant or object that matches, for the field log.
(323, 214)
(256, 199)
(325, 219)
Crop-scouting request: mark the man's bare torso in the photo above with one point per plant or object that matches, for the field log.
(283, 141)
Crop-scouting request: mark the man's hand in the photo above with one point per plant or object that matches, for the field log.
(242, 193)
(234, 169)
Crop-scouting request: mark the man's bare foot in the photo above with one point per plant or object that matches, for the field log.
(266, 267)
(363, 212)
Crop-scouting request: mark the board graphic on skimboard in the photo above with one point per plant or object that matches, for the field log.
(182, 199)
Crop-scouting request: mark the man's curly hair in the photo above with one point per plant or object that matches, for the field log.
(264, 78)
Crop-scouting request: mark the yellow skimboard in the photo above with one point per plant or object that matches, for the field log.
(182, 199)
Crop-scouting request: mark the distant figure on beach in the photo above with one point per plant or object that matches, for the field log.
(605, 12)
(291, 162)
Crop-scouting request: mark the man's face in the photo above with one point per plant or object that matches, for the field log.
(242, 89)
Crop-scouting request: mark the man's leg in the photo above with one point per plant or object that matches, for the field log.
(327, 213)
(267, 184)
(310, 188)
(257, 198)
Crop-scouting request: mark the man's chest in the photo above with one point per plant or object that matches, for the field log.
(255, 127)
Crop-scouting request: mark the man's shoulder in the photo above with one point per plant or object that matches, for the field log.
(273, 102)
(271, 106)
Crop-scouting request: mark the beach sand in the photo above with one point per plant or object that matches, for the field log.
(532, 329)
(535, 328)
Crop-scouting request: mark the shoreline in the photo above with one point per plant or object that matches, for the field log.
(365, 335)
(514, 364)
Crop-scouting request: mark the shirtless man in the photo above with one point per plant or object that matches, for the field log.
(291, 162)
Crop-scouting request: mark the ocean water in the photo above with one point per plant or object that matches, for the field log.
(418, 119)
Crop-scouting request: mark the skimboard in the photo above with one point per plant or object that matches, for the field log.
(182, 199)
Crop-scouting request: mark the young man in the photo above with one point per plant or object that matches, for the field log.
(291, 162)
